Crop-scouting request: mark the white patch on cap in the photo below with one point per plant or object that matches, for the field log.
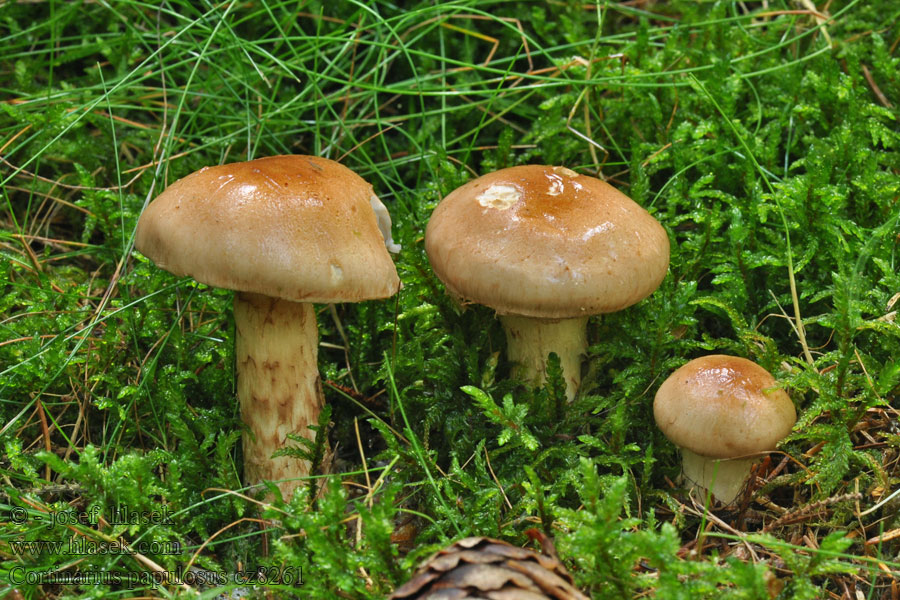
(556, 185)
(384, 223)
(597, 230)
(499, 196)
(337, 274)
(565, 172)
(222, 179)
(246, 189)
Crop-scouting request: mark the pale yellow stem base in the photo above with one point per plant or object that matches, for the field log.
(278, 384)
(530, 341)
(725, 478)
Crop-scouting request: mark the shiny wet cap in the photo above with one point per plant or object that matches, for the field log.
(299, 228)
(546, 242)
(723, 407)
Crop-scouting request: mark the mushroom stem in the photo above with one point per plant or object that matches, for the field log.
(276, 346)
(724, 478)
(529, 341)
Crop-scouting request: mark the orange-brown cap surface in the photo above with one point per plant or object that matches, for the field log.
(299, 228)
(723, 407)
(546, 242)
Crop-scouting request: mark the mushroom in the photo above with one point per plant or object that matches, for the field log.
(546, 248)
(722, 411)
(284, 232)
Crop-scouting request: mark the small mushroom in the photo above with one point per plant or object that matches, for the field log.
(546, 248)
(284, 232)
(722, 411)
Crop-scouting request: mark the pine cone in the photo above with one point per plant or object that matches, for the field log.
(479, 568)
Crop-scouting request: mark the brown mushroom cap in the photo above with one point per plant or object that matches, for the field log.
(546, 242)
(299, 228)
(723, 407)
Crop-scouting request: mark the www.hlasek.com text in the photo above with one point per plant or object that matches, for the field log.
(85, 546)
